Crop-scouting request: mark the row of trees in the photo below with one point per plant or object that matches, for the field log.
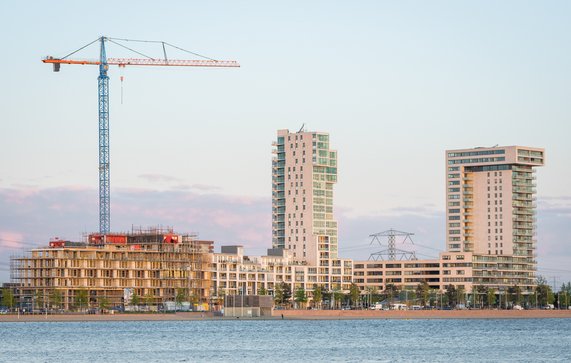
(481, 296)
(283, 296)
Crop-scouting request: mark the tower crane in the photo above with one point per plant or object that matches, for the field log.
(103, 98)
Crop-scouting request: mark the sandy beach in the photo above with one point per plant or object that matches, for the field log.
(304, 315)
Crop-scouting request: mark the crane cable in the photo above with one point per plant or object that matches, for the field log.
(85, 46)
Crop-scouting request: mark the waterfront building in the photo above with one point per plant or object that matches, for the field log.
(304, 172)
(490, 211)
(236, 273)
(155, 265)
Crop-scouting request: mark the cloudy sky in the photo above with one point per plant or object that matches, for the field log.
(395, 84)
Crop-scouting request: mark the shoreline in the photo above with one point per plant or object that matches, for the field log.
(302, 315)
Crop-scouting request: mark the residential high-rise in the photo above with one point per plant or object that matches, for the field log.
(490, 202)
(304, 171)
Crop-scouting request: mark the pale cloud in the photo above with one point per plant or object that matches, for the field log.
(36, 215)
(159, 178)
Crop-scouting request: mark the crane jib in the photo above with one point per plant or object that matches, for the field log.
(146, 62)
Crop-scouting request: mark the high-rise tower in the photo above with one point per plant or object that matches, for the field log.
(304, 171)
(490, 207)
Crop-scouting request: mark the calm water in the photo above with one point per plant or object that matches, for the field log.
(289, 340)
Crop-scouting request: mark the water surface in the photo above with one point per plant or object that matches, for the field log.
(473, 340)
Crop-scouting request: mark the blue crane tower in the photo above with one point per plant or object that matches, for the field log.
(104, 184)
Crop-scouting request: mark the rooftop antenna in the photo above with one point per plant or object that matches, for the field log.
(302, 128)
(391, 253)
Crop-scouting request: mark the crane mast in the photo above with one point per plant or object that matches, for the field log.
(104, 167)
(103, 102)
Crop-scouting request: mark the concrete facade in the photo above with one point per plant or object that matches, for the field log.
(304, 171)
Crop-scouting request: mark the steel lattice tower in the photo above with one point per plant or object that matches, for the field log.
(104, 188)
(392, 253)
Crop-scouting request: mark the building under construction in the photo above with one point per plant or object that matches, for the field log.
(152, 266)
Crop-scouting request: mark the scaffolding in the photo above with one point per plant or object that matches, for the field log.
(155, 264)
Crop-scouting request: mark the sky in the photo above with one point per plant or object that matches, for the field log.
(394, 83)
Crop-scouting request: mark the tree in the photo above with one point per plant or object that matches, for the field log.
(262, 290)
(81, 298)
(354, 293)
(423, 292)
(372, 295)
(460, 295)
(337, 296)
(39, 299)
(181, 295)
(148, 299)
(7, 298)
(135, 299)
(317, 296)
(300, 296)
(451, 295)
(103, 303)
(56, 299)
(286, 288)
(544, 293)
(282, 293)
(278, 294)
(410, 295)
(491, 298)
(515, 295)
(480, 291)
(391, 290)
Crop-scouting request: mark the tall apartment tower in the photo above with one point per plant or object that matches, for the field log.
(490, 201)
(304, 171)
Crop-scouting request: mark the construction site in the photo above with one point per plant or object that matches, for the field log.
(151, 266)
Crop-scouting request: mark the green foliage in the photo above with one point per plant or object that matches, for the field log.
(423, 292)
(282, 293)
(451, 295)
(544, 293)
(480, 292)
(81, 298)
(278, 294)
(7, 298)
(491, 297)
(515, 295)
(135, 299)
(39, 299)
(181, 295)
(56, 298)
(300, 296)
(103, 303)
(262, 290)
(354, 293)
(391, 291)
(460, 295)
(337, 295)
(148, 299)
(317, 295)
